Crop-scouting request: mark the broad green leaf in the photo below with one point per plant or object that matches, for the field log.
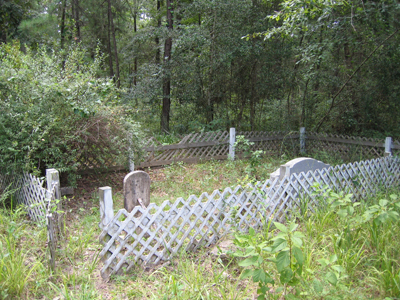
(338, 268)
(342, 212)
(333, 258)
(250, 261)
(281, 227)
(298, 255)
(279, 244)
(286, 275)
(383, 202)
(317, 286)
(246, 273)
(262, 290)
(298, 234)
(324, 262)
(297, 241)
(393, 197)
(252, 232)
(393, 215)
(293, 227)
(331, 278)
(259, 275)
(350, 210)
(282, 260)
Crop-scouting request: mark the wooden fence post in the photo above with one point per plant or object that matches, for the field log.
(232, 140)
(53, 181)
(302, 140)
(388, 146)
(106, 206)
(131, 159)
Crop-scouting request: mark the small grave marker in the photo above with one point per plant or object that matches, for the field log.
(298, 165)
(136, 186)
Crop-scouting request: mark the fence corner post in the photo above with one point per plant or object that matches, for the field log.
(302, 140)
(232, 141)
(53, 181)
(388, 146)
(106, 206)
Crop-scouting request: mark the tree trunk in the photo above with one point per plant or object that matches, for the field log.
(158, 60)
(62, 29)
(77, 22)
(117, 79)
(166, 105)
(135, 61)
(110, 62)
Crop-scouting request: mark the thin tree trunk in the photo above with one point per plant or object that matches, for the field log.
(62, 29)
(110, 62)
(135, 62)
(157, 40)
(117, 79)
(167, 78)
(77, 22)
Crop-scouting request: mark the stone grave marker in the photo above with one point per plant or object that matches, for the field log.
(136, 186)
(298, 165)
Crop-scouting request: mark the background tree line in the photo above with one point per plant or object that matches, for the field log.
(191, 65)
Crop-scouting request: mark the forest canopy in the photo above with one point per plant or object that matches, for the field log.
(194, 65)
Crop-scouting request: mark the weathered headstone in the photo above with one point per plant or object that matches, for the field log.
(298, 165)
(136, 186)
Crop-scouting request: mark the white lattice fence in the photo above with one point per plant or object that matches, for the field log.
(41, 203)
(29, 191)
(154, 234)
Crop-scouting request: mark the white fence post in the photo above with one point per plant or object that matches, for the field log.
(53, 180)
(106, 206)
(302, 140)
(388, 146)
(232, 140)
(131, 160)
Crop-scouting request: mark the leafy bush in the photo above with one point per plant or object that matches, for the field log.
(55, 110)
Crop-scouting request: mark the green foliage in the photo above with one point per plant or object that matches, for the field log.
(346, 238)
(284, 250)
(55, 108)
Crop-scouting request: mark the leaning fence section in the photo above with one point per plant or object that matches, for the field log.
(27, 190)
(215, 145)
(148, 236)
(43, 204)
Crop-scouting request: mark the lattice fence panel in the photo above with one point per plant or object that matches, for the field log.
(343, 148)
(29, 191)
(218, 149)
(154, 234)
(396, 151)
(273, 143)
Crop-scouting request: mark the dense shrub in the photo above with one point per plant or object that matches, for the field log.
(55, 109)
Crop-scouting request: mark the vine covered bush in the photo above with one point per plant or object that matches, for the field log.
(55, 110)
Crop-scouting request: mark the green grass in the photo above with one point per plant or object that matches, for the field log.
(368, 254)
(183, 180)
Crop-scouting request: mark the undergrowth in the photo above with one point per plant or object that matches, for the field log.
(342, 250)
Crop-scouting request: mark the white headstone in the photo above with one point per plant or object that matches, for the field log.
(136, 185)
(298, 165)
